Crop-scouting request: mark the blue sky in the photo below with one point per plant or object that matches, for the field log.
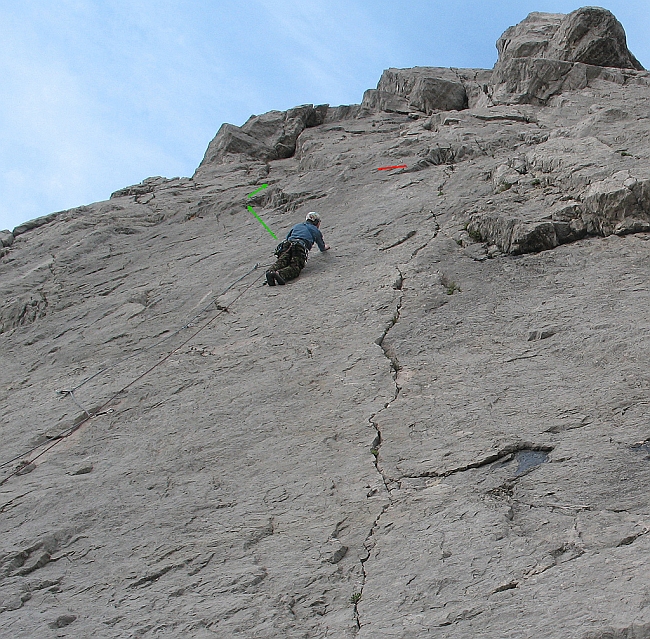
(97, 95)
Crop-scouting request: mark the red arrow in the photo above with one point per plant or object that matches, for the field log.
(389, 168)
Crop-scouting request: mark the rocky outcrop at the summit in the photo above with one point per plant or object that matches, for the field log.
(539, 58)
(271, 136)
(590, 35)
(602, 179)
(548, 53)
(424, 90)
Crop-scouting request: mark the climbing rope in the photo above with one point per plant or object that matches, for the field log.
(56, 439)
(188, 324)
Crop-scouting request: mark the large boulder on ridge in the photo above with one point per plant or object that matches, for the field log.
(589, 35)
(271, 136)
(549, 52)
(422, 89)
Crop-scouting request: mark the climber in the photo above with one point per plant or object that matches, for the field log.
(292, 253)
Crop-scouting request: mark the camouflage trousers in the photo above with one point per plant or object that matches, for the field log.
(290, 262)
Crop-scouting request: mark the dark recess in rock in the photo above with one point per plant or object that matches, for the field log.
(63, 621)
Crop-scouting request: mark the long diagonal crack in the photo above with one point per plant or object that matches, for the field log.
(368, 545)
(391, 356)
(390, 484)
(395, 366)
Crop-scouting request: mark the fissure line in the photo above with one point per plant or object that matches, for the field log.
(391, 356)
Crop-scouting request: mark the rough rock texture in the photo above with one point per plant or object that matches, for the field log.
(270, 136)
(548, 53)
(427, 89)
(6, 238)
(439, 429)
(590, 35)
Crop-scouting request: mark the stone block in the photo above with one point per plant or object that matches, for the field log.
(270, 136)
(434, 94)
(424, 89)
(375, 99)
(548, 53)
(6, 238)
(631, 225)
(590, 35)
(34, 224)
(594, 36)
(610, 202)
(513, 235)
(532, 237)
(232, 140)
(528, 80)
(568, 222)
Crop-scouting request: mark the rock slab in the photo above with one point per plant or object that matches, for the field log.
(439, 429)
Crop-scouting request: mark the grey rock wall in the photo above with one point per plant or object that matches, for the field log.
(271, 136)
(423, 90)
(546, 54)
(440, 428)
(590, 35)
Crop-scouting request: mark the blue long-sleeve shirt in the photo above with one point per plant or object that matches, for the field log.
(308, 234)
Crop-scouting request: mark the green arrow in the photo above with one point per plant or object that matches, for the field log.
(261, 221)
(264, 186)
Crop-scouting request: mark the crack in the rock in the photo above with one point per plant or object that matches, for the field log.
(407, 237)
(149, 579)
(12, 502)
(632, 538)
(490, 459)
(433, 237)
(376, 444)
(395, 366)
(390, 354)
(368, 547)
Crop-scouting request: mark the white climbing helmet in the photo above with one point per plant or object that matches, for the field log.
(312, 216)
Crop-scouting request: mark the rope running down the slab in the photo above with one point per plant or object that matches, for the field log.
(66, 433)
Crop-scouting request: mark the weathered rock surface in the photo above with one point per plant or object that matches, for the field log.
(590, 35)
(439, 429)
(271, 136)
(548, 53)
(6, 238)
(28, 226)
(427, 89)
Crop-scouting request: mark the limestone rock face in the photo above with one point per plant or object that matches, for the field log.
(6, 238)
(31, 224)
(426, 89)
(592, 36)
(589, 35)
(423, 89)
(531, 37)
(547, 53)
(271, 136)
(440, 429)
